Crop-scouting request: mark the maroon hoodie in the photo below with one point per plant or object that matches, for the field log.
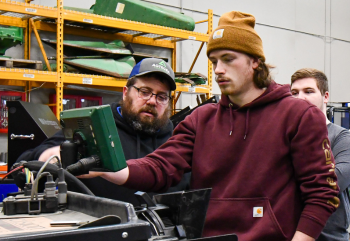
(268, 163)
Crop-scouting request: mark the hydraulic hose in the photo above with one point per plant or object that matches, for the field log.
(70, 179)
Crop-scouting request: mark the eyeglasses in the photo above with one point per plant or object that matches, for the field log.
(146, 94)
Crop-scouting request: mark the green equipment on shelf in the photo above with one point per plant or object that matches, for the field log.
(144, 12)
(120, 68)
(10, 37)
(78, 48)
(115, 49)
(190, 78)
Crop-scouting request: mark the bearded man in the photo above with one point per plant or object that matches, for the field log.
(142, 119)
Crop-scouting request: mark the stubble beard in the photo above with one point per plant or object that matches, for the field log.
(235, 88)
(143, 124)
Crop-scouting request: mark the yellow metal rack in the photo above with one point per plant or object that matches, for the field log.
(31, 16)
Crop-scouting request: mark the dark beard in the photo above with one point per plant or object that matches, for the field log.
(146, 125)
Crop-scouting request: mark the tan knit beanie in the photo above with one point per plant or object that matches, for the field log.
(236, 32)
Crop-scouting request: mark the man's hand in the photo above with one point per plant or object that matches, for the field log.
(53, 151)
(91, 175)
(118, 178)
(299, 236)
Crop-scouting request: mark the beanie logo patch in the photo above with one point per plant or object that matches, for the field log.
(218, 33)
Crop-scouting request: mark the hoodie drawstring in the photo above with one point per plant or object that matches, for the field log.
(246, 124)
(246, 121)
(231, 116)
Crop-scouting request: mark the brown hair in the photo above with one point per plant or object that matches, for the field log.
(319, 76)
(262, 77)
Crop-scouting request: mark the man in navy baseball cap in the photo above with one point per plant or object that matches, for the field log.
(147, 94)
(154, 65)
(142, 119)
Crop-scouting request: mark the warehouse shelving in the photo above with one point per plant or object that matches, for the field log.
(64, 21)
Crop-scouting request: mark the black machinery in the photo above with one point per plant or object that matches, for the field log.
(171, 216)
(58, 214)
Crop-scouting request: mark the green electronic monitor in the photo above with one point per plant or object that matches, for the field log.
(95, 131)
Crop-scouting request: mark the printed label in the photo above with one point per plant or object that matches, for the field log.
(87, 81)
(28, 76)
(47, 122)
(191, 38)
(88, 20)
(120, 8)
(31, 10)
(192, 89)
(258, 212)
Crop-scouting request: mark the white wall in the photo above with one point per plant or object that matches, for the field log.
(298, 34)
(295, 34)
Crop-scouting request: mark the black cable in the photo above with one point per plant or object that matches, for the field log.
(53, 169)
(84, 165)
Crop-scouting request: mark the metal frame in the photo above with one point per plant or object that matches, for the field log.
(27, 16)
(59, 60)
(208, 93)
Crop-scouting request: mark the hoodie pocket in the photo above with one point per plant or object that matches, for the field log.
(249, 218)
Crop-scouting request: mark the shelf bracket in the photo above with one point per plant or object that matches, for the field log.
(203, 21)
(195, 58)
(40, 44)
(177, 97)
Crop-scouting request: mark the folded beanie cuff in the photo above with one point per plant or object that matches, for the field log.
(237, 39)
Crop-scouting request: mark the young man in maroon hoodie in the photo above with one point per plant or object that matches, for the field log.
(265, 154)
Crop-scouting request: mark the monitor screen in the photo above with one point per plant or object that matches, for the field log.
(95, 131)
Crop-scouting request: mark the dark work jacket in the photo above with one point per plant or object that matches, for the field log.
(135, 145)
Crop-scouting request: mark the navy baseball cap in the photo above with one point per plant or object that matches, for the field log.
(154, 65)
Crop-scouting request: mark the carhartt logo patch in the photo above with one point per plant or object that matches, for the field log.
(218, 33)
(258, 212)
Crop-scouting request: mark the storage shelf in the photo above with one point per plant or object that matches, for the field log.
(27, 75)
(75, 18)
(27, 9)
(86, 24)
(90, 81)
(178, 34)
(88, 31)
(13, 21)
